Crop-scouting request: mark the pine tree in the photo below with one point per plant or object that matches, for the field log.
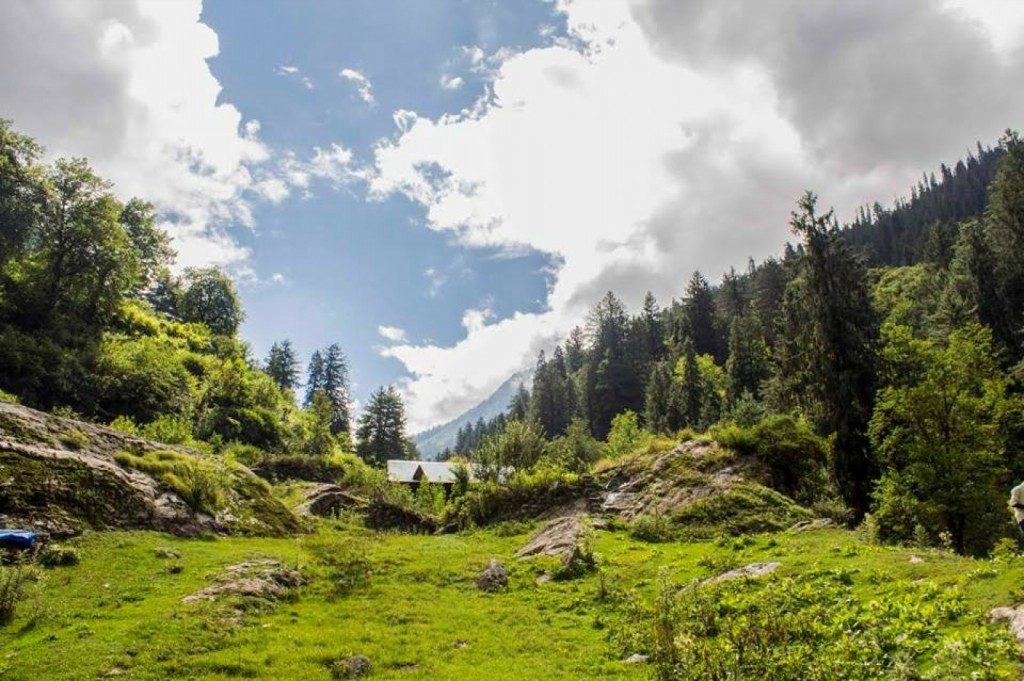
(574, 350)
(842, 356)
(660, 412)
(747, 366)
(381, 432)
(1004, 222)
(282, 365)
(335, 384)
(700, 317)
(314, 377)
(610, 384)
(551, 400)
(690, 389)
(519, 406)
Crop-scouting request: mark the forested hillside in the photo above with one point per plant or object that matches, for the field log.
(898, 337)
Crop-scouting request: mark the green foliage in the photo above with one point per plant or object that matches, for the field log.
(202, 482)
(54, 555)
(519, 447)
(652, 528)
(210, 298)
(577, 450)
(626, 435)
(522, 494)
(12, 591)
(746, 508)
(939, 425)
(381, 433)
(143, 378)
(812, 626)
(793, 454)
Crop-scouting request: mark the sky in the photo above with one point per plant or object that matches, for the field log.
(444, 187)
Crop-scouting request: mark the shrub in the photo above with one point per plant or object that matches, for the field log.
(143, 378)
(652, 528)
(54, 555)
(793, 454)
(747, 508)
(9, 397)
(169, 430)
(897, 515)
(626, 435)
(519, 446)
(202, 482)
(523, 494)
(813, 627)
(124, 424)
(12, 590)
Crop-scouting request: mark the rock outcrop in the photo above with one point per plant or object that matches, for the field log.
(59, 476)
(557, 538)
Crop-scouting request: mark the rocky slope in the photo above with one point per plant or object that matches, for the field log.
(60, 476)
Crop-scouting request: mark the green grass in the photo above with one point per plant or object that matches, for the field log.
(404, 601)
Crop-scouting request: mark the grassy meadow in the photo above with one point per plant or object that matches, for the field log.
(409, 604)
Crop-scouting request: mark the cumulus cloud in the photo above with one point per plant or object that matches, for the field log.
(363, 85)
(127, 85)
(392, 333)
(664, 137)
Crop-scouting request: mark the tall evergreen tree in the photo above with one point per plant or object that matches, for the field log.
(551, 400)
(1004, 222)
(381, 432)
(611, 385)
(335, 384)
(747, 366)
(519, 405)
(282, 365)
(700, 317)
(660, 413)
(314, 377)
(842, 356)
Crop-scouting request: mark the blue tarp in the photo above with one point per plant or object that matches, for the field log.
(17, 539)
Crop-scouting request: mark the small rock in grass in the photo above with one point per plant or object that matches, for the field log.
(916, 559)
(461, 643)
(637, 658)
(355, 667)
(493, 578)
(175, 569)
(163, 552)
(752, 570)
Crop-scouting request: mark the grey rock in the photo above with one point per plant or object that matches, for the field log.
(493, 578)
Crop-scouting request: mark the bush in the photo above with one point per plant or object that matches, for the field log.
(519, 446)
(9, 397)
(54, 555)
(169, 430)
(144, 378)
(626, 435)
(652, 528)
(747, 508)
(793, 454)
(12, 590)
(813, 627)
(523, 495)
(897, 515)
(202, 482)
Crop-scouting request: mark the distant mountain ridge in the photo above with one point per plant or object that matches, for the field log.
(435, 440)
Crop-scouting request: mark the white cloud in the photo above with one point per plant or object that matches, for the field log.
(451, 82)
(363, 85)
(127, 85)
(437, 281)
(633, 166)
(297, 73)
(392, 333)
